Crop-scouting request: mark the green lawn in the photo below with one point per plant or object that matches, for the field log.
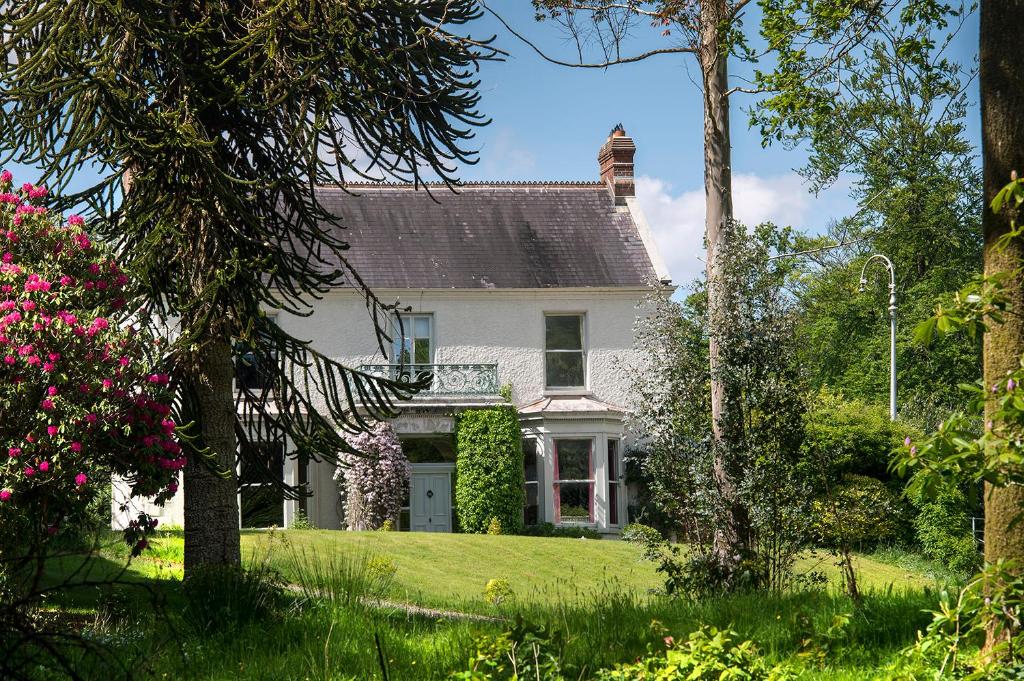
(596, 592)
(450, 570)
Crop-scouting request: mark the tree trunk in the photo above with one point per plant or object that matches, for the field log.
(732, 527)
(1002, 124)
(211, 499)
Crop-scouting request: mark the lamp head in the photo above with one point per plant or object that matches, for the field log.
(863, 284)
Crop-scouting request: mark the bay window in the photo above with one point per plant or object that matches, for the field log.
(574, 481)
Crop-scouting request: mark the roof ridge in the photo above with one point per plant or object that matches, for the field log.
(476, 183)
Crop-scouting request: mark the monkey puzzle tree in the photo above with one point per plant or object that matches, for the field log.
(220, 119)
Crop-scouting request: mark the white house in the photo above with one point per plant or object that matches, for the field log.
(532, 285)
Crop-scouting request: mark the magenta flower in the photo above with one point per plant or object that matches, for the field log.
(76, 447)
(51, 431)
(14, 452)
(44, 466)
(5, 494)
(80, 480)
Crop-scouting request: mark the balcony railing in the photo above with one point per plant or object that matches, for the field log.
(449, 379)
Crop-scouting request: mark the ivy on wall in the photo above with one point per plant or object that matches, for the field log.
(489, 469)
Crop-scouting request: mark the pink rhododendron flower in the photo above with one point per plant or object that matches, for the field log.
(44, 466)
(80, 479)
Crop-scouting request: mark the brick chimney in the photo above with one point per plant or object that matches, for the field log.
(616, 162)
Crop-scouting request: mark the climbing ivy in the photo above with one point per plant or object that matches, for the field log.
(489, 469)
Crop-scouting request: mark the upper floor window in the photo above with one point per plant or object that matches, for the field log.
(414, 343)
(564, 354)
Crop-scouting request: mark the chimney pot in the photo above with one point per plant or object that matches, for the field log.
(615, 160)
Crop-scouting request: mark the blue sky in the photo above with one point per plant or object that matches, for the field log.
(548, 122)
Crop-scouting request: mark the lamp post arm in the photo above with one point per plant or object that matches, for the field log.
(892, 323)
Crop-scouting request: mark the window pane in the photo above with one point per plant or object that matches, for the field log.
(421, 327)
(574, 502)
(564, 370)
(530, 459)
(564, 332)
(422, 350)
(531, 510)
(267, 461)
(573, 459)
(613, 482)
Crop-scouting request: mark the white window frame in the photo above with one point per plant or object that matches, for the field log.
(592, 482)
(582, 351)
(405, 327)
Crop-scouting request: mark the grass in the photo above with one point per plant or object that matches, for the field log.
(595, 592)
(451, 570)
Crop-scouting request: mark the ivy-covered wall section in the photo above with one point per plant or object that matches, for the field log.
(489, 469)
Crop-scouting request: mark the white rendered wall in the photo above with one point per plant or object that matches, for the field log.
(484, 326)
(489, 326)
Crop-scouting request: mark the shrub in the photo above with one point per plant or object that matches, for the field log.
(494, 527)
(498, 591)
(301, 521)
(708, 654)
(943, 530)
(851, 436)
(525, 651)
(489, 469)
(373, 482)
(552, 530)
(80, 400)
(638, 533)
(860, 511)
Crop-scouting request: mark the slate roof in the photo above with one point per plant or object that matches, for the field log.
(494, 235)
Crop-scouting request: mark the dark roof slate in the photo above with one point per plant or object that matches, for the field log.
(489, 236)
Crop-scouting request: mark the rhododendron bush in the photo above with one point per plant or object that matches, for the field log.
(373, 485)
(78, 399)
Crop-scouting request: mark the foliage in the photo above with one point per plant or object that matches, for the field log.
(79, 400)
(892, 116)
(381, 569)
(373, 482)
(708, 654)
(552, 530)
(758, 369)
(489, 469)
(943, 530)
(524, 651)
(173, 107)
(301, 521)
(494, 527)
(642, 535)
(219, 595)
(498, 591)
(860, 511)
(990, 604)
(849, 435)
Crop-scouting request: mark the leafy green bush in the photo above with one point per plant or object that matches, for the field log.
(525, 651)
(498, 591)
(709, 654)
(851, 436)
(494, 527)
(860, 512)
(489, 469)
(552, 530)
(944, 533)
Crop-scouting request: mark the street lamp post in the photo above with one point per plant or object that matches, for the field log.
(892, 323)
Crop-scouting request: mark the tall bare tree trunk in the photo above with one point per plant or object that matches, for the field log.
(211, 500)
(1002, 124)
(732, 528)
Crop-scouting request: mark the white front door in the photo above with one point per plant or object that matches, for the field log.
(430, 502)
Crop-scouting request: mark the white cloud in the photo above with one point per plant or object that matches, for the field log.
(678, 219)
(506, 156)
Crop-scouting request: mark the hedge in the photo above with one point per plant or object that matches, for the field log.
(489, 469)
